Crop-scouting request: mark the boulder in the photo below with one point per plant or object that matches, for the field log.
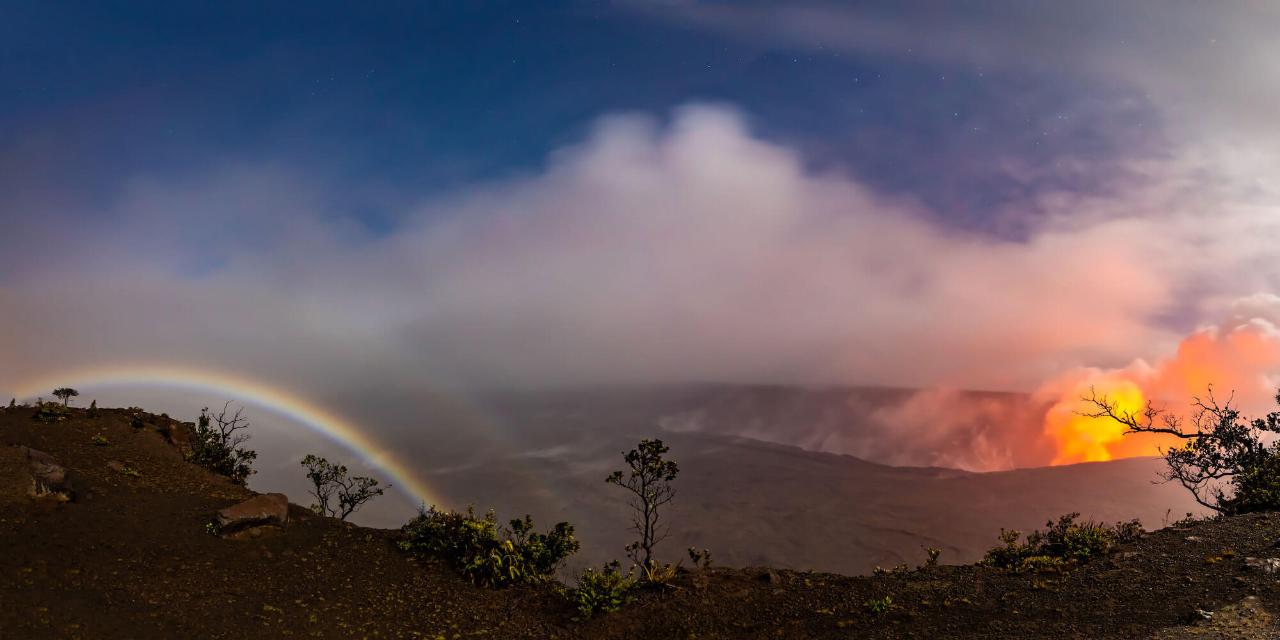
(50, 481)
(266, 510)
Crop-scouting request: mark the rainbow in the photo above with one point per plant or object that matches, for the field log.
(247, 390)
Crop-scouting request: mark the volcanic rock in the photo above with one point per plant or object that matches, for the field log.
(50, 481)
(266, 510)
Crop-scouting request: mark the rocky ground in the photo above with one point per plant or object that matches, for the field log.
(118, 545)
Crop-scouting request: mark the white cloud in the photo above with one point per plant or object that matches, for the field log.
(693, 252)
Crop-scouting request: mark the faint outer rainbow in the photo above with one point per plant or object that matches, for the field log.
(247, 390)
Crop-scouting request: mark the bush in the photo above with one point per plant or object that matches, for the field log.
(879, 606)
(217, 444)
(931, 559)
(701, 558)
(1256, 487)
(490, 555)
(603, 591)
(1062, 542)
(51, 412)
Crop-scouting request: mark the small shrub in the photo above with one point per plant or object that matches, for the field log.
(1062, 542)
(603, 591)
(701, 558)
(51, 412)
(659, 573)
(879, 606)
(900, 569)
(93, 409)
(100, 440)
(931, 559)
(490, 555)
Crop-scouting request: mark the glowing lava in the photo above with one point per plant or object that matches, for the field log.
(1084, 439)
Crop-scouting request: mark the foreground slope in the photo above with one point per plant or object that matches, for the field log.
(130, 558)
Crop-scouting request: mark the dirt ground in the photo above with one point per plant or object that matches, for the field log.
(130, 557)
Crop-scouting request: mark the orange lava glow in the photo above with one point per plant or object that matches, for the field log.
(1084, 439)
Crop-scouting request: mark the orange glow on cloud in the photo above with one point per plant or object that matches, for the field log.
(1240, 360)
(1081, 438)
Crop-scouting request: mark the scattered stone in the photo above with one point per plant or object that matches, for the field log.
(1265, 565)
(1127, 555)
(254, 517)
(1245, 620)
(1194, 539)
(116, 466)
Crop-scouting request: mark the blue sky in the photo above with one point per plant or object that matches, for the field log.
(970, 194)
(391, 103)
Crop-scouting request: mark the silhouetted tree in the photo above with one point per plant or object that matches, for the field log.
(331, 481)
(217, 443)
(1221, 451)
(66, 394)
(648, 478)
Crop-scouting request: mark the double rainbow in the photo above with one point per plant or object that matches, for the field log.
(250, 391)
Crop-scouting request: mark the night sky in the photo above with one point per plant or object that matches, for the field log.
(441, 195)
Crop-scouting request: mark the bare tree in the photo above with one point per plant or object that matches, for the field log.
(330, 481)
(648, 478)
(1219, 450)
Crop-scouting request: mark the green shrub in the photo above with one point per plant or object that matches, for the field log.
(603, 591)
(879, 606)
(490, 555)
(100, 440)
(1065, 541)
(51, 412)
(1256, 486)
